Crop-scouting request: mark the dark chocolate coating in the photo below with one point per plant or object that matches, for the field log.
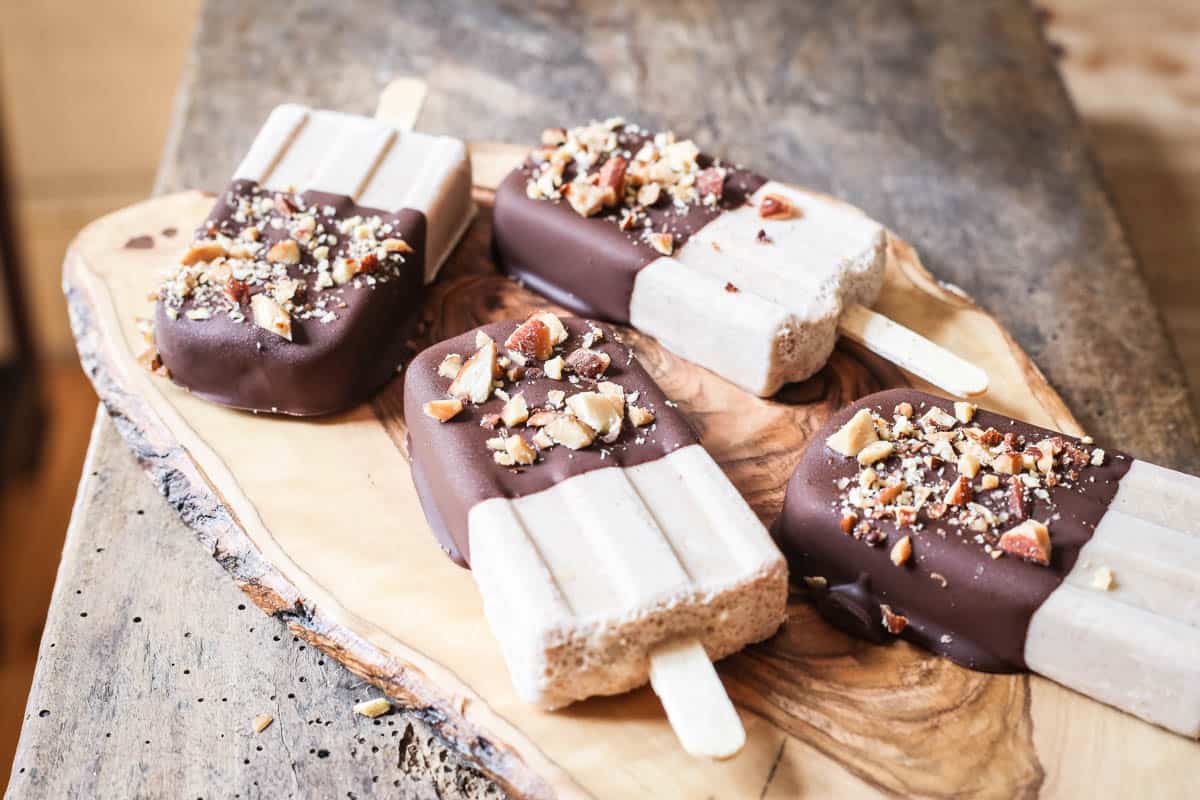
(453, 469)
(327, 367)
(588, 264)
(986, 605)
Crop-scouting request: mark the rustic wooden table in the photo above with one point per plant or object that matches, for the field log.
(947, 121)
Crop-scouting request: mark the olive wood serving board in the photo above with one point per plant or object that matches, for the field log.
(317, 521)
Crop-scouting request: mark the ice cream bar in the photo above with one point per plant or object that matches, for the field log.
(748, 277)
(306, 279)
(1004, 547)
(606, 543)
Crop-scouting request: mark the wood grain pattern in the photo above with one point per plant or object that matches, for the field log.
(820, 710)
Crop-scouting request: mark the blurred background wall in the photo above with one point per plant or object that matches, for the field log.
(86, 91)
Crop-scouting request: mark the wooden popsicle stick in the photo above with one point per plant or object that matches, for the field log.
(400, 102)
(912, 352)
(699, 710)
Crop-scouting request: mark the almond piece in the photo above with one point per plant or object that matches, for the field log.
(285, 290)
(556, 397)
(989, 482)
(554, 368)
(904, 409)
(541, 418)
(203, 251)
(271, 316)
(775, 206)
(894, 623)
(450, 366)
(848, 522)
(614, 393)
(375, 707)
(443, 410)
(558, 331)
(542, 440)
(344, 270)
(474, 380)
(662, 242)
(570, 432)
(515, 411)
(531, 339)
(1030, 540)
(589, 364)
(612, 179)
(520, 450)
(261, 722)
(639, 416)
(936, 419)
(901, 551)
(965, 412)
(1103, 580)
(598, 413)
(711, 182)
(396, 246)
(586, 199)
(890, 493)
(284, 252)
(960, 492)
(876, 451)
(968, 465)
(1016, 500)
(856, 434)
(648, 195)
(1007, 463)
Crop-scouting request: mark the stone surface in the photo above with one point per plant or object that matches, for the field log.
(946, 121)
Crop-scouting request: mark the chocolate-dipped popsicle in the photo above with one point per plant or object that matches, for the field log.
(748, 277)
(1004, 547)
(608, 546)
(306, 279)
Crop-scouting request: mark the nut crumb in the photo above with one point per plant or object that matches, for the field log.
(262, 722)
(376, 707)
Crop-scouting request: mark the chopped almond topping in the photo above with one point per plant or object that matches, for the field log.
(589, 364)
(639, 416)
(515, 411)
(520, 450)
(553, 368)
(989, 482)
(965, 412)
(775, 206)
(450, 366)
(663, 243)
(1007, 463)
(968, 465)
(474, 380)
(443, 410)
(284, 252)
(894, 623)
(597, 411)
(1030, 540)
(532, 339)
(876, 451)
(856, 434)
(203, 251)
(901, 551)
(271, 316)
(568, 431)
(586, 199)
(960, 492)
